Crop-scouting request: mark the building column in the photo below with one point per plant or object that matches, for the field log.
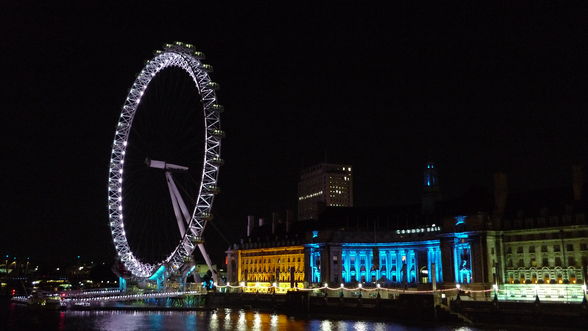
(232, 267)
(448, 257)
(478, 258)
(307, 266)
(335, 274)
(325, 266)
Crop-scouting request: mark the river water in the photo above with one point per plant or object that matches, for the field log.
(16, 317)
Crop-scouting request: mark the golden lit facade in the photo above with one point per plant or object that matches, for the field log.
(260, 268)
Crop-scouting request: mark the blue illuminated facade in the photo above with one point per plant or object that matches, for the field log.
(444, 252)
(315, 264)
(462, 252)
(400, 262)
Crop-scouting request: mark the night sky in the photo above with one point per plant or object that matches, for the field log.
(476, 89)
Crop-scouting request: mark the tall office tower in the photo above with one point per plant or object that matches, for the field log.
(324, 185)
(430, 188)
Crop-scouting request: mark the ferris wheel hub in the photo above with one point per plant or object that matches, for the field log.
(166, 166)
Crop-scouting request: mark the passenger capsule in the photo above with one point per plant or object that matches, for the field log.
(206, 67)
(213, 85)
(199, 55)
(218, 108)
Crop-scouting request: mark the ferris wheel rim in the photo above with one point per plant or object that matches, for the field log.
(185, 58)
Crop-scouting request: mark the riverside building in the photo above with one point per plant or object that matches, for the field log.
(527, 245)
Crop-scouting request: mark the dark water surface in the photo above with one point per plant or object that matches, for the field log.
(16, 317)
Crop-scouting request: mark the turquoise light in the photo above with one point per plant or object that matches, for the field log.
(122, 284)
(462, 262)
(460, 220)
(315, 265)
(461, 235)
(158, 274)
(397, 261)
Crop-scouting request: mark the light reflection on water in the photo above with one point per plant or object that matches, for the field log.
(20, 318)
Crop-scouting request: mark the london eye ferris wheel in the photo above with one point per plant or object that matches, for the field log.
(165, 162)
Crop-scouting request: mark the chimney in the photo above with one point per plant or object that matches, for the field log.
(274, 221)
(260, 222)
(250, 225)
(288, 220)
(577, 181)
(500, 192)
